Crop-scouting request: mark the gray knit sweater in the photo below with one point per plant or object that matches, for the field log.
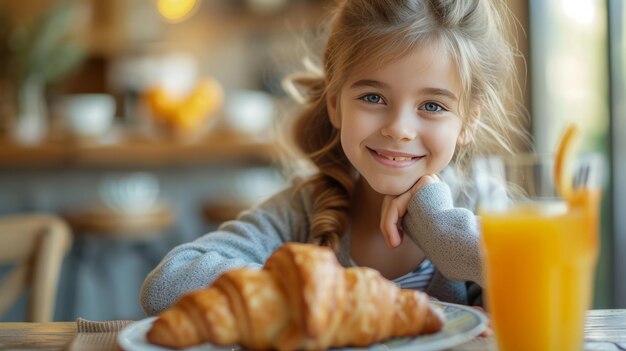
(448, 236)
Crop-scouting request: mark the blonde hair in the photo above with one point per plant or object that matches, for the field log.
(371, 33)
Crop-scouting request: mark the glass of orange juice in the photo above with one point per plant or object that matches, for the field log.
(540, 250)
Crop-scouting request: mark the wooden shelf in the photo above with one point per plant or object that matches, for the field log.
(213, 148)
(104, 222)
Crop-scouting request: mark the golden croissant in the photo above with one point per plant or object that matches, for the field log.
(302, 299)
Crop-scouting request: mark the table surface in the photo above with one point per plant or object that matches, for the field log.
(604, 330)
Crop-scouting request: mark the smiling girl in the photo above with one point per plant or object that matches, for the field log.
(408, 86)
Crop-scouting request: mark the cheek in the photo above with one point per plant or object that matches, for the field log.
(442, 141)
(356, 127)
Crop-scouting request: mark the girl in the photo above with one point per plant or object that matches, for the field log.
(407, 87)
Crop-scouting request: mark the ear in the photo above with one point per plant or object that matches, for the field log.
(332, 102)
(469, 129)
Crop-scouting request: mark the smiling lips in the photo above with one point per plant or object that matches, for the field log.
(393, 158)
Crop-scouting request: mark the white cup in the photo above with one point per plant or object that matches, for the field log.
(89, 115)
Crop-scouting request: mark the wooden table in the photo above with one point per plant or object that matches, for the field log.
(604, 330)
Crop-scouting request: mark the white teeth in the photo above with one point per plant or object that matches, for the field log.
(399, 158)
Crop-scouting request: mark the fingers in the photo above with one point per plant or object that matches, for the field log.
(423, 181)
(391, 214)
(388, 224)
(394, 208)
(488, 331)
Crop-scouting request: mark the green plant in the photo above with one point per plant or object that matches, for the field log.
(31, 56)
(45, 49)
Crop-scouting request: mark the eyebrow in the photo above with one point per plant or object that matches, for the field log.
(377, 84)
(369, 83)
(438, 91)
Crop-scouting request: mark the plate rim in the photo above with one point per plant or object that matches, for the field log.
(124, 340)
(455, 339)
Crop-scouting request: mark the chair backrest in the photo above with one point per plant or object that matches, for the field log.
(36, 244)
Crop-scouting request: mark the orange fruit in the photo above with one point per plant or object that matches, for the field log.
(188, 112)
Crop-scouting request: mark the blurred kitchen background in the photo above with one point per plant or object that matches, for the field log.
(146, 123)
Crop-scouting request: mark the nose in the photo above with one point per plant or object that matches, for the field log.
(401, 125)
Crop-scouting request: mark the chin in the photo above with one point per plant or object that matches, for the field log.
(390, 187)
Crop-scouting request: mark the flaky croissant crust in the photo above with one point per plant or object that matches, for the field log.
(302, 299)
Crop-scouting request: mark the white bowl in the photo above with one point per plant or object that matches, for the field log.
(250, 111)
(131, 194)
(89, 115)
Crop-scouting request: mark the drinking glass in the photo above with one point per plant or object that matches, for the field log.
(540, 250)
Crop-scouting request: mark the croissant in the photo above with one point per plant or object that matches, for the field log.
(302, 299)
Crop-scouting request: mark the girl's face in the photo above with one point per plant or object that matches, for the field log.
(401, 121)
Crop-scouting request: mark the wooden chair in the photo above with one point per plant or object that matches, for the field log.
(37, 244)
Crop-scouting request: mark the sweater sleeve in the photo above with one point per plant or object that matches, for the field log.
(245, 242)
(449, 236)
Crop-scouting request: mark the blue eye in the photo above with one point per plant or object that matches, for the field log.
(372, 98)
(432, 107)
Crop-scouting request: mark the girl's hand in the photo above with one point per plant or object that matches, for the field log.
(394, 208)
(488, 331)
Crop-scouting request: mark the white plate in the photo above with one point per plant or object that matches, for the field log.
(462, 324)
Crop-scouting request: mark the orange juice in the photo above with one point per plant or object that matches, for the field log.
(539, 263)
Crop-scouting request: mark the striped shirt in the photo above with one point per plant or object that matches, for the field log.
(419, 278)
